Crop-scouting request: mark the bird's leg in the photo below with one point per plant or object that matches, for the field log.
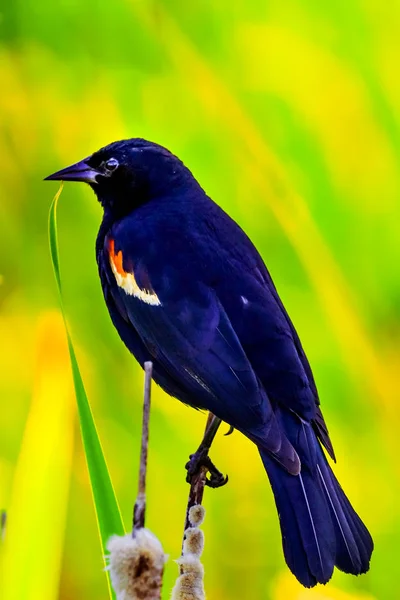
(201, 459)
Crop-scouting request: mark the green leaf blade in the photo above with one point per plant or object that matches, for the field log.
(108, 515)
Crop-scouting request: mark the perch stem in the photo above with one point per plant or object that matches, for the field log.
(198, 481)
(139, 510)
(3, 522)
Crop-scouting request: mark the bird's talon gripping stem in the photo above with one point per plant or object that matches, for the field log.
(201, 459)
(196, 461)
(216, 479)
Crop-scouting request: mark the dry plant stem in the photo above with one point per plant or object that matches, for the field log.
(140, 504)
(199, 479)
(136, 561)
(3, 522)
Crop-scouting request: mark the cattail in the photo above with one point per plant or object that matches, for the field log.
(196, 515)
(136, 565)
(190, 583)
(194, 541)
(136, 561)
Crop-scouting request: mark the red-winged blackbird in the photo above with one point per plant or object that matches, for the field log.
(186, 289)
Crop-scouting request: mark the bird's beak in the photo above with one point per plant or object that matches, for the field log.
(80, 171)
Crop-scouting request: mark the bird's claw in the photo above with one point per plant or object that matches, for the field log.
(201, 459)
(216, 479)
(230, 430)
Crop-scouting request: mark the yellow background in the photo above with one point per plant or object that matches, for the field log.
(287, 111)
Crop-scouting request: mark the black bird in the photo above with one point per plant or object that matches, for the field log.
(187, 289)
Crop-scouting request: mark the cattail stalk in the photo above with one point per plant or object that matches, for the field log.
(139, 511)
(136, 560)
(190, 583)
(198, 481)
(3, 524)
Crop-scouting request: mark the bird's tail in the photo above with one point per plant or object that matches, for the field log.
(320, 529)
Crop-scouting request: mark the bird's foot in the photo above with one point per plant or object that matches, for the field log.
(201, 459)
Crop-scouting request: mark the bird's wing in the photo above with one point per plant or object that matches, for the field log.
(184, 326)
(318, 420)
(271, 343)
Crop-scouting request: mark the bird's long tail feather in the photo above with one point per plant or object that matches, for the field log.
(320, 529)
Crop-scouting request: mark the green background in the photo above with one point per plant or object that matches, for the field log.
(288, 114)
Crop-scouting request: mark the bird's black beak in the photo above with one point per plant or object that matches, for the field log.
(80, 171)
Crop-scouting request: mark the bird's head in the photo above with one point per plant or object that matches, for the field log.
(129, 173)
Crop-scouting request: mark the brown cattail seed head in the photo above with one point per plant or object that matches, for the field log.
(136, 565)
(196, 515)
(189, 585)
(194, 541)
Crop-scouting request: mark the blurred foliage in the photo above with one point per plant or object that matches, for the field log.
(287, 112)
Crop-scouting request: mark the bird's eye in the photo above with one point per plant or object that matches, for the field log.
(111, 164)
